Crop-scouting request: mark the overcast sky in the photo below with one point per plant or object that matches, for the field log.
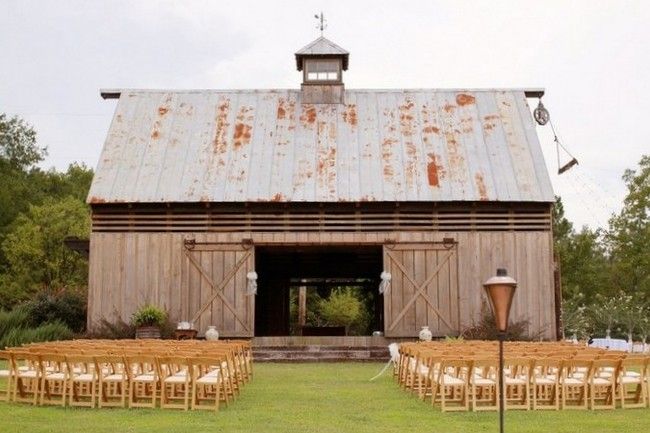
(591, 57)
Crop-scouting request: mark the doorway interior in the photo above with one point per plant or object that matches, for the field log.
(301, 289)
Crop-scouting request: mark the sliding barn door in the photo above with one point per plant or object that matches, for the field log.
(423, 289)
(215, 288)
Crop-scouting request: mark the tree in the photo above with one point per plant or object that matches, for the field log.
(575, 317)
(35, 252)
(583, 262)
(629, 235)
(342, 307)
(18, 148)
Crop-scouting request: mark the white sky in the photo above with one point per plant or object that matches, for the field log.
(592, 58)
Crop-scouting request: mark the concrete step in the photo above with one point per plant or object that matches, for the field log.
(319, 354)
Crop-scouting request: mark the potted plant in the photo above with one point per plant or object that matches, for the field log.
(148, 320)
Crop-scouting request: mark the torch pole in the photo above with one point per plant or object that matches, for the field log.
(502, 337)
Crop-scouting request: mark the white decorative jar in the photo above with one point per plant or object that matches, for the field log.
(425, 334)
(212, 334)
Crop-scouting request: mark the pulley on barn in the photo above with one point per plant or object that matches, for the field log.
(542, 117)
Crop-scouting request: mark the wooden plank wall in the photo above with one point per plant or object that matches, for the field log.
(436, 304)
(129, 269)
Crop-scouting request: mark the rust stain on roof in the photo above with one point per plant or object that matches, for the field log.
(243, 127)
(435, 171)
(406, 117)
(431, 130)
(308, 116)
(282, 112)
(463, 99)
(490, 122)
(467, 124)
(219, 142)
(278, 197)
(163, 110)
(350, 114)
(96, 200)
(480, 184)
(155, 133)
(449, 107)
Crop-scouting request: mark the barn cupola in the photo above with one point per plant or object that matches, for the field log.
(322, 63)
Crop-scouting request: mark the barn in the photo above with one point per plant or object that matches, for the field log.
(214, 203)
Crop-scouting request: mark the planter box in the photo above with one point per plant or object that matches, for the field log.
(147, 332)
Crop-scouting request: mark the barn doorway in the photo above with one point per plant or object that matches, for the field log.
(300, 289)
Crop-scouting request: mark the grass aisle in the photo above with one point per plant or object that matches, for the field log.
(320, 398)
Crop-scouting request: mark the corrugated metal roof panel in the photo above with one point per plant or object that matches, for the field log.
(382, 145)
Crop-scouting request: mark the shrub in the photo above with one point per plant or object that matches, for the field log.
(46, 332)
(17, 318)
(65, 306)
(149, 315)
(341, 308)
(486, 329)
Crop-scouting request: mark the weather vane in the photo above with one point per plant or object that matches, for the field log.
(322, 25)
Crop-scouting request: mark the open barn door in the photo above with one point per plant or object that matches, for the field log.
(423, 289)
(217, 288)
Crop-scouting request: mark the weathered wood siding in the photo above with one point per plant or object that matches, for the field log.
(129, 269)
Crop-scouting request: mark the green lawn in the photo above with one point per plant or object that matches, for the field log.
(320, 398)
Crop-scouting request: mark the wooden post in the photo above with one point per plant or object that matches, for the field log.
(302, 306)
(557, 282)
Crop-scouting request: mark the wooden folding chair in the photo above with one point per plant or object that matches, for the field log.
(484, 383)
(82, 380)
(602, 383)
(6, 374)
(113, 380)
(545, 384)
(27, 374)
(574, 383)
(54, 382)
(633, 382)
(453, 384)
(517, 383)
(207, 383)
(143, 380)
(175, 378)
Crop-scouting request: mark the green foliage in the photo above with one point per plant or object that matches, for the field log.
(605, 312)
(23, 186)
(149, 315)
(65, 306)
(46, 332)
(18, 145)
(36, 254)
(629, 235)
(576, 318)
(17, 318)
(583, 263)
(341, 308)
(486, 329)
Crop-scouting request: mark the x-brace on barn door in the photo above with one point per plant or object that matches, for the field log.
(216, 287)
(423, 290)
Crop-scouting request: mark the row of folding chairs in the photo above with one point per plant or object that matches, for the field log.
(169, 376)
(239, 350)
(465, 377)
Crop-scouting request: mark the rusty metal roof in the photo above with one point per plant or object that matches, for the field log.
(265, 145)
(322, 47)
